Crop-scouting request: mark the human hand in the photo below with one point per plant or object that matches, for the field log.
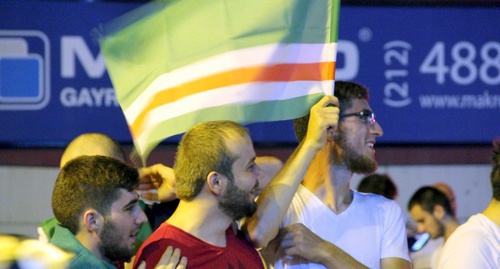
(169, 260)
(158, 177)
(298, 240)
(323, 121)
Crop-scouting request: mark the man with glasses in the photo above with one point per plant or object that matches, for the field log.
(328, 224)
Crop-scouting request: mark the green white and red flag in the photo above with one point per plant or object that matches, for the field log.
(176, 63)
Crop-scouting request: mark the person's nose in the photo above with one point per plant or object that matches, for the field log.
(258, 172)
(141, 218)
(376, 129)
(420, 228)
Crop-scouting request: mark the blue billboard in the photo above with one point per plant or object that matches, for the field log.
(433, 72)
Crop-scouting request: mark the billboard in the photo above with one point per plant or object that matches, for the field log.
(433, 73)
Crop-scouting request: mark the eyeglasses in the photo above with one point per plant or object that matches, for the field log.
(366, 115)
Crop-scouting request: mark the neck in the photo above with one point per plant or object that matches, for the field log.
(329, 182)
(209, 225)
(493, 211)
(90, 240)
(449, 227)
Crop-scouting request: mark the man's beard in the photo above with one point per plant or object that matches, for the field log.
(440, 226)
(355, 162)
(111, 246)
(235, 204)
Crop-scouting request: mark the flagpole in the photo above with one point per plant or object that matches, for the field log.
(334, 26)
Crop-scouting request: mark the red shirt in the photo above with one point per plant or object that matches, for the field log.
(238, 253)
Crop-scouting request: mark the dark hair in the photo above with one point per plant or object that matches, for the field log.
(202, 150)
(427, 197)
(345, 92)
(380, 184)
(90, 182)
(495, 172)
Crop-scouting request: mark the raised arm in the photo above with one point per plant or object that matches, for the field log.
(157, 177)
(275, 199)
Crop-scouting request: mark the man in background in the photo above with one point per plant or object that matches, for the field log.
(431, 211)
(381, 184)
(475, 244)
(450, 195)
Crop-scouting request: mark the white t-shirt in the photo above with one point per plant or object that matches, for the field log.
(370, 229)
(436, 254)
(474, 244)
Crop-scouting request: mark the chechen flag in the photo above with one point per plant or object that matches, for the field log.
(175, 63)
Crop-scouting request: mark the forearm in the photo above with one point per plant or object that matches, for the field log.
(277, 196)
(334, 257)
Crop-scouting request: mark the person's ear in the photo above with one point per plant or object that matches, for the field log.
(215, 183)
(92, 220)
(439, 212)
(333, 134)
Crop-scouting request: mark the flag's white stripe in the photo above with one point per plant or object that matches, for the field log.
(250, 93)
(255, 56)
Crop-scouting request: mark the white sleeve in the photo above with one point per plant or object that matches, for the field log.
(394, 242)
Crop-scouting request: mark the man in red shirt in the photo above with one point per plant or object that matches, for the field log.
(217, 183)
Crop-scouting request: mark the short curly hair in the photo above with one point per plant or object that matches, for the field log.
(202, 150)
(90, 182)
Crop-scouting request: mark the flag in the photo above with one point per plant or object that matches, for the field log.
(175, 63)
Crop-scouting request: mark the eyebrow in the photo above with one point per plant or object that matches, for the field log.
(132, 202)
(252, 160)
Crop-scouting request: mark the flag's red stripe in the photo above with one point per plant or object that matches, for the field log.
(279, 73)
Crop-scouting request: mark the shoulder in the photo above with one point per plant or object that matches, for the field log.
(470, 246)
(378, 208)
(64, 239)
(84, 261)
(375, 201)
(51, 223)
(47, 227)
(473, 233)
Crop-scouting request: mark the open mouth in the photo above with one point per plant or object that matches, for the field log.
(254, 193)
(371, 146)
(133, 236)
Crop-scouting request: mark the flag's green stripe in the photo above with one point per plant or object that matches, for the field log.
(188, 31)
(261, 112)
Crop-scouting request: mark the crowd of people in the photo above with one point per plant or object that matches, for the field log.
(238, 210)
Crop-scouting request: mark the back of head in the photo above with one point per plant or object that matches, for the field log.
(427, 197)
(93, 144)
(345, 92)
(495, 172)
(89, 182)
(202, 150)
(450, 194)
(380, 184)
(446, 189)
